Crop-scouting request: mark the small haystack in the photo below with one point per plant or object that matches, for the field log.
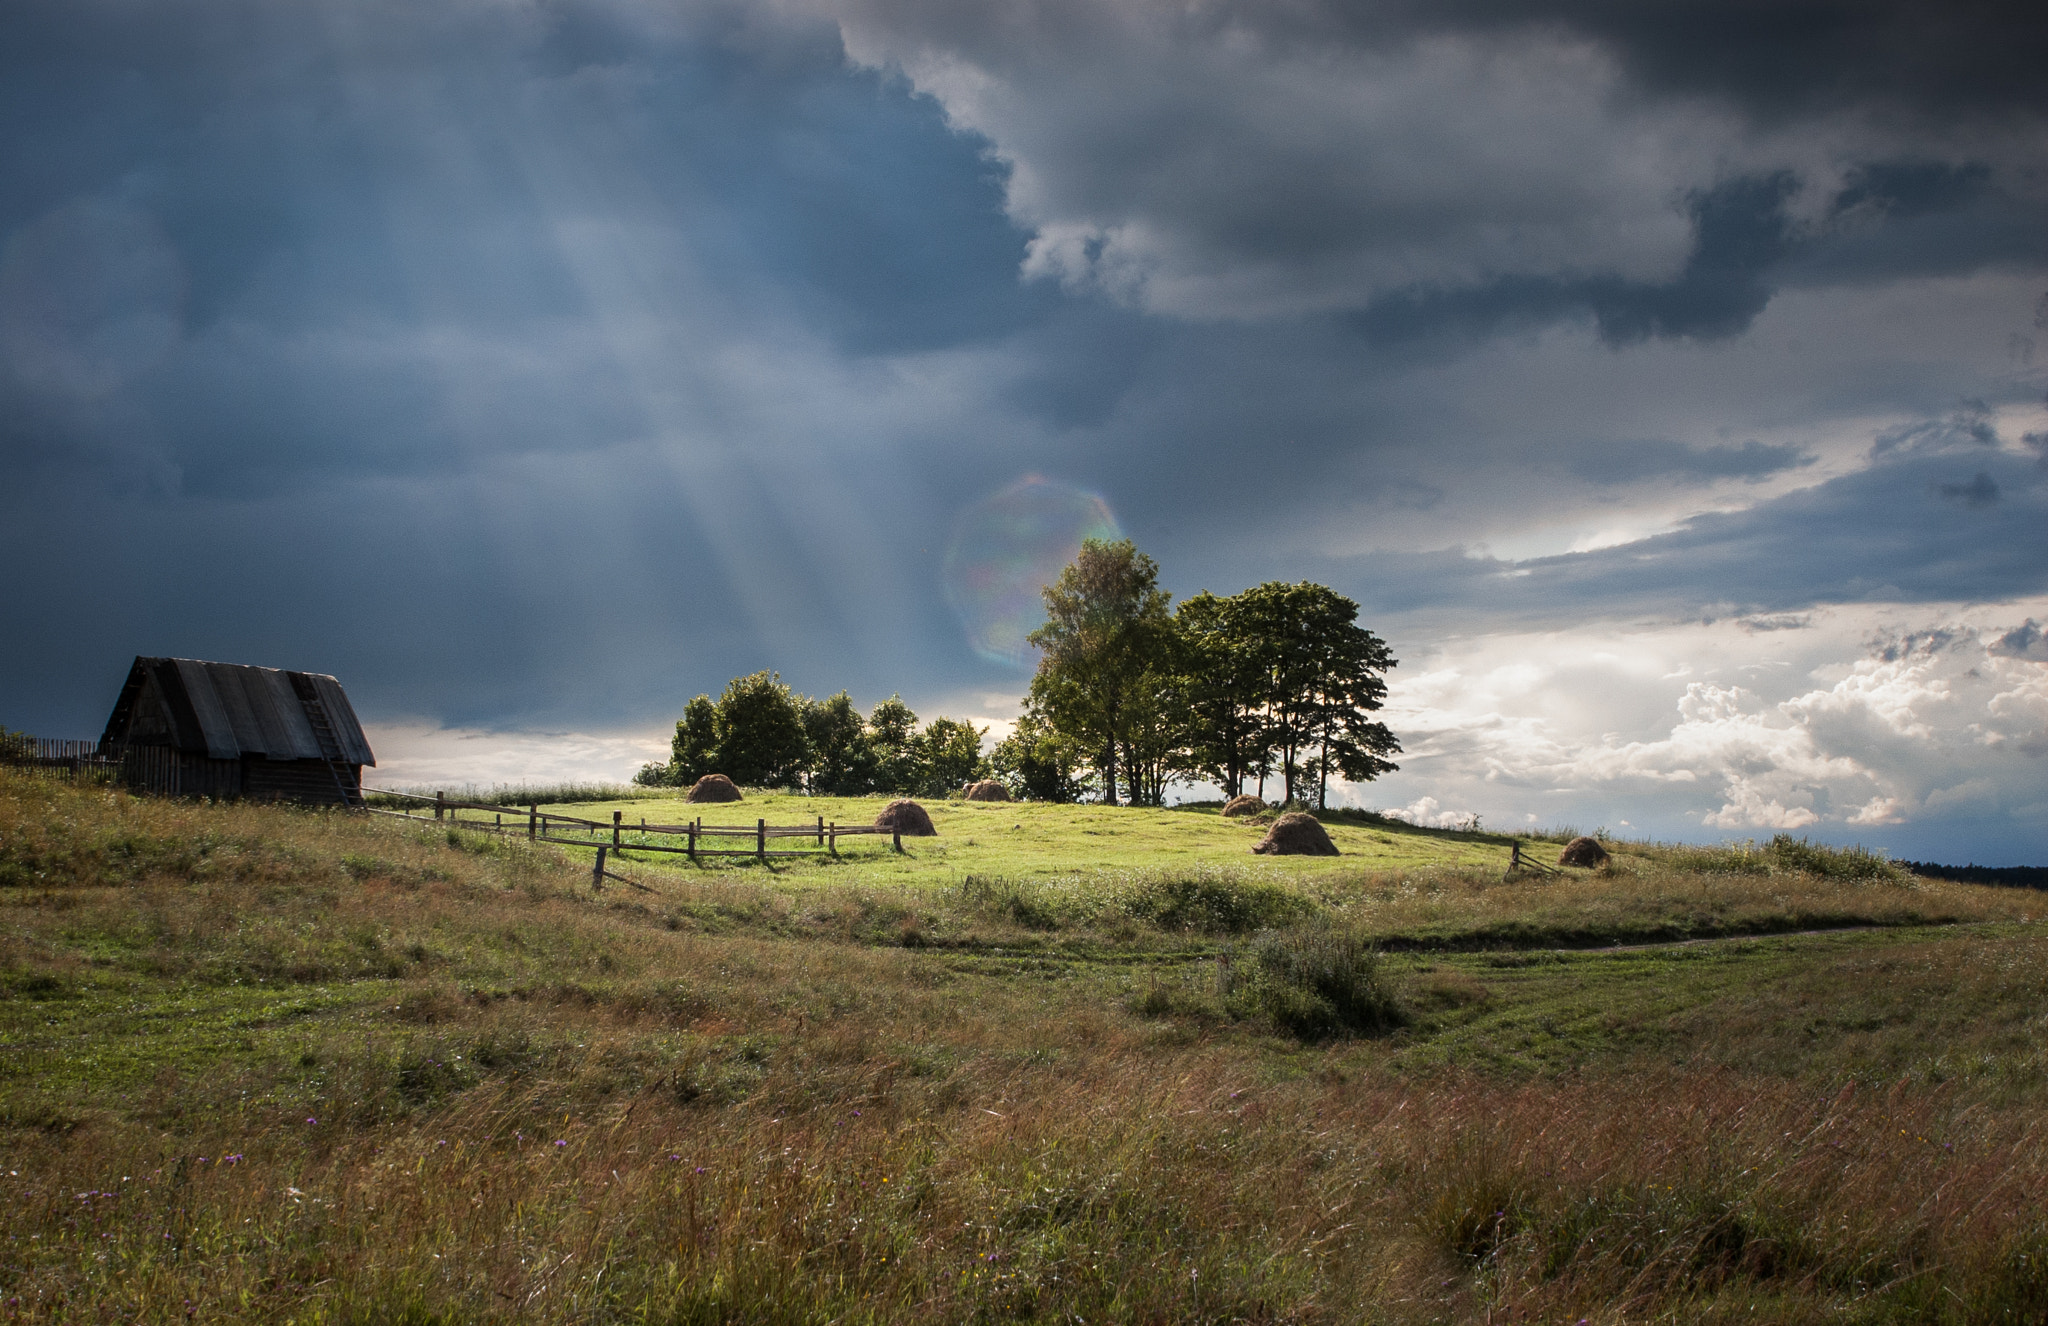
(1583, 852)
(1244, 805)
(988, 789)
(713, 787)
(1296, 834)
(907, 818)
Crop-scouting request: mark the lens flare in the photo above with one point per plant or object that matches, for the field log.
(1009, 547)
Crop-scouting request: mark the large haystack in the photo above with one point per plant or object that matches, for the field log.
(907, 818)
(1296, 834)
(713, 787)
(1583, 852)
(988, 789)
(1244, 805)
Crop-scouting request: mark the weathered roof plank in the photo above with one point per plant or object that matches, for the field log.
(241, 710)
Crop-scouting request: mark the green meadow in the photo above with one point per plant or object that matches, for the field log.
(1059, 1063)
(1036, 839)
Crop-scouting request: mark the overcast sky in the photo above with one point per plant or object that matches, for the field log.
(1665, 380)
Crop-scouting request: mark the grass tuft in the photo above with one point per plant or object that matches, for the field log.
(1315, 983)
(1198, 899)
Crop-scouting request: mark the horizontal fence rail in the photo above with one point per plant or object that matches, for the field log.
(618, 836)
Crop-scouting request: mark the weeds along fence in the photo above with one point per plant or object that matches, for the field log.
(108, 763)
(71, 761)
(697, 839)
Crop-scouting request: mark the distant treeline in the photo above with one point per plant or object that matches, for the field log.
(759, 733)
(1131, 695)
(2017, 877)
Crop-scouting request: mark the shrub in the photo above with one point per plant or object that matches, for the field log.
(1791, 853)
(1315, 983)
(1213, 900)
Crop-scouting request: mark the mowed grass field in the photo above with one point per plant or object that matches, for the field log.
(264, 1064)
(1034, 839)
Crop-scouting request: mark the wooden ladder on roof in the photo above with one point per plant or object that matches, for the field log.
(330, 745)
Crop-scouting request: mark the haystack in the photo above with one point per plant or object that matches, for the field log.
(1244, 805)
(1583, 852)
(1296, 834)
(712, 787)
(907, 818)
(988, 789)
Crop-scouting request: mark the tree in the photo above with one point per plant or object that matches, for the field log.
(1349, 741)
(1224, 690)
(892, 732)
(1105, 632)
(1156, 748)
(1036, 764)
(1320, 672)
(949, 755)
(694, 752)
(842, 760)
(759, 732)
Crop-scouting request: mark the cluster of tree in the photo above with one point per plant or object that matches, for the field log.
(1130, 696)
(759, 733)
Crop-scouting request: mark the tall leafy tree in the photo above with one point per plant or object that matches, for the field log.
(1105, 634)
(1156, 747)
(1037, 764)
(892, 736)
(1322, 677)
(842, 759)
(759, 730)
(1224, 685)
(949, 755)
(694, 752)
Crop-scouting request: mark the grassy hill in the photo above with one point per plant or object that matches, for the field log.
(1062, 1063)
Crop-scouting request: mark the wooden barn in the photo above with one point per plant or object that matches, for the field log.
(187, 728)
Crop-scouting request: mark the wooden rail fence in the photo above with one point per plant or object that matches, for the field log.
(72, 761)
(619, 836)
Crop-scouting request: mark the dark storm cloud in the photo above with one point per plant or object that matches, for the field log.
(1980, 491)
(1474, 167)
(413, 343)
(1779, 59)
(2027, 640)
(1630, 462)
(1892, 221)
(1889, 534)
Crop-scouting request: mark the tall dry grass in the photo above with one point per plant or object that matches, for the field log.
(733, 1102)
(1113, 1185)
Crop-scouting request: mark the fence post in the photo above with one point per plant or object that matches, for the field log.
(832, 840)
(692, 830)
(617, 816)
(761, 839)
(439, 799)
(896, 839)
(597, 872)
(821, 830)
(1515, 855)
(533, 820)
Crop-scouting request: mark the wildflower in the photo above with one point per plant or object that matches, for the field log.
(311, 1119)
(561, 1142)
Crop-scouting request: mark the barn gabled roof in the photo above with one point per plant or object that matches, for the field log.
(227, 710)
